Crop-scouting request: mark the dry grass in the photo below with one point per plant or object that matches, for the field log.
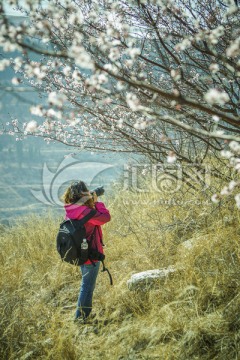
(192, 315)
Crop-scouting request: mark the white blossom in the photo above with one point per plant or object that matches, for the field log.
(232, 8)
(107, 101)
(31, 126)
(17, 63)
(233, 161)
(133, 102)
(185, 44)
(66, 70)
(52, 113)
(129, 63)
(108, 67)
(237, 166)
(120, 123)
(16, 81)
(176, 92)
(133, 52)
(214, 68)
(120, 85)
(39, 73)
(15, 122)
(234, 49)
(214, 96)
(9, 47)
(140, 125)
(226, 154)
(102, 79)
(4, 63)
(171, 158)
(75, 18)
(56, 99)
(215, 34)
(235, 146)
(114, 54)
(215, 118)
(36, 110)
(175, 74)
(81, 57)
(76, 75)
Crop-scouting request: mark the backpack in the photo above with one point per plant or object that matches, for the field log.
(70, 238)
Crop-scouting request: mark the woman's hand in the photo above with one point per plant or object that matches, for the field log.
(85, 197)
(95, 198)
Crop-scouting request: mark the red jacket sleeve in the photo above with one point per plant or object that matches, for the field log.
(102, 216)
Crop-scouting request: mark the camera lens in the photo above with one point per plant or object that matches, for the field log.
(99, 191)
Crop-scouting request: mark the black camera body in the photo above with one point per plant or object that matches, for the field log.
(99, 191)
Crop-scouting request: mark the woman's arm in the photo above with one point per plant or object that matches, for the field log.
(102, 215)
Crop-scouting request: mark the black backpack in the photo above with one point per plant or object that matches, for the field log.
(70, 239)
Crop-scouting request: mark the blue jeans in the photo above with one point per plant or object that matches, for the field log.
(89, 276)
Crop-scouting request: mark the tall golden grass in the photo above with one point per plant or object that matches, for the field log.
(194, 314)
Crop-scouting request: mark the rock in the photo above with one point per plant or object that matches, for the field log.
(146, 279)
(188, 244)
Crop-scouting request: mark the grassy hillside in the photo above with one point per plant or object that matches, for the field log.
(194, 314)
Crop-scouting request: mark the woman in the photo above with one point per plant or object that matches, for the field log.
(78, 203)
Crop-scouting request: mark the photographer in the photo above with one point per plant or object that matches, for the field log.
(78, 203)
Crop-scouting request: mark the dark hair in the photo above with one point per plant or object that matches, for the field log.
(75, 192)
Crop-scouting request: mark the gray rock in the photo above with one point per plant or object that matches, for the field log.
(146, 279)
(188, 244)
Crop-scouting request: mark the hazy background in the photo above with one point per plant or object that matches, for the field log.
(22, 162)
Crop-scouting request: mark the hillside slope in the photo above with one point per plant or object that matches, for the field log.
(193, 314)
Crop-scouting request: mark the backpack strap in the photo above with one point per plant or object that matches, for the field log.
(101, 259)
(87, 217)
(76, 224)
(81, 221)
(106, 269)
(100, 236)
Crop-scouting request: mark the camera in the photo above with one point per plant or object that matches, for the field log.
(99, 191)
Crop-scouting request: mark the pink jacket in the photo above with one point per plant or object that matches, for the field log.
(74, 211)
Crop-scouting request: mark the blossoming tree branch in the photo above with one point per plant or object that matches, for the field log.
(159, 78)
